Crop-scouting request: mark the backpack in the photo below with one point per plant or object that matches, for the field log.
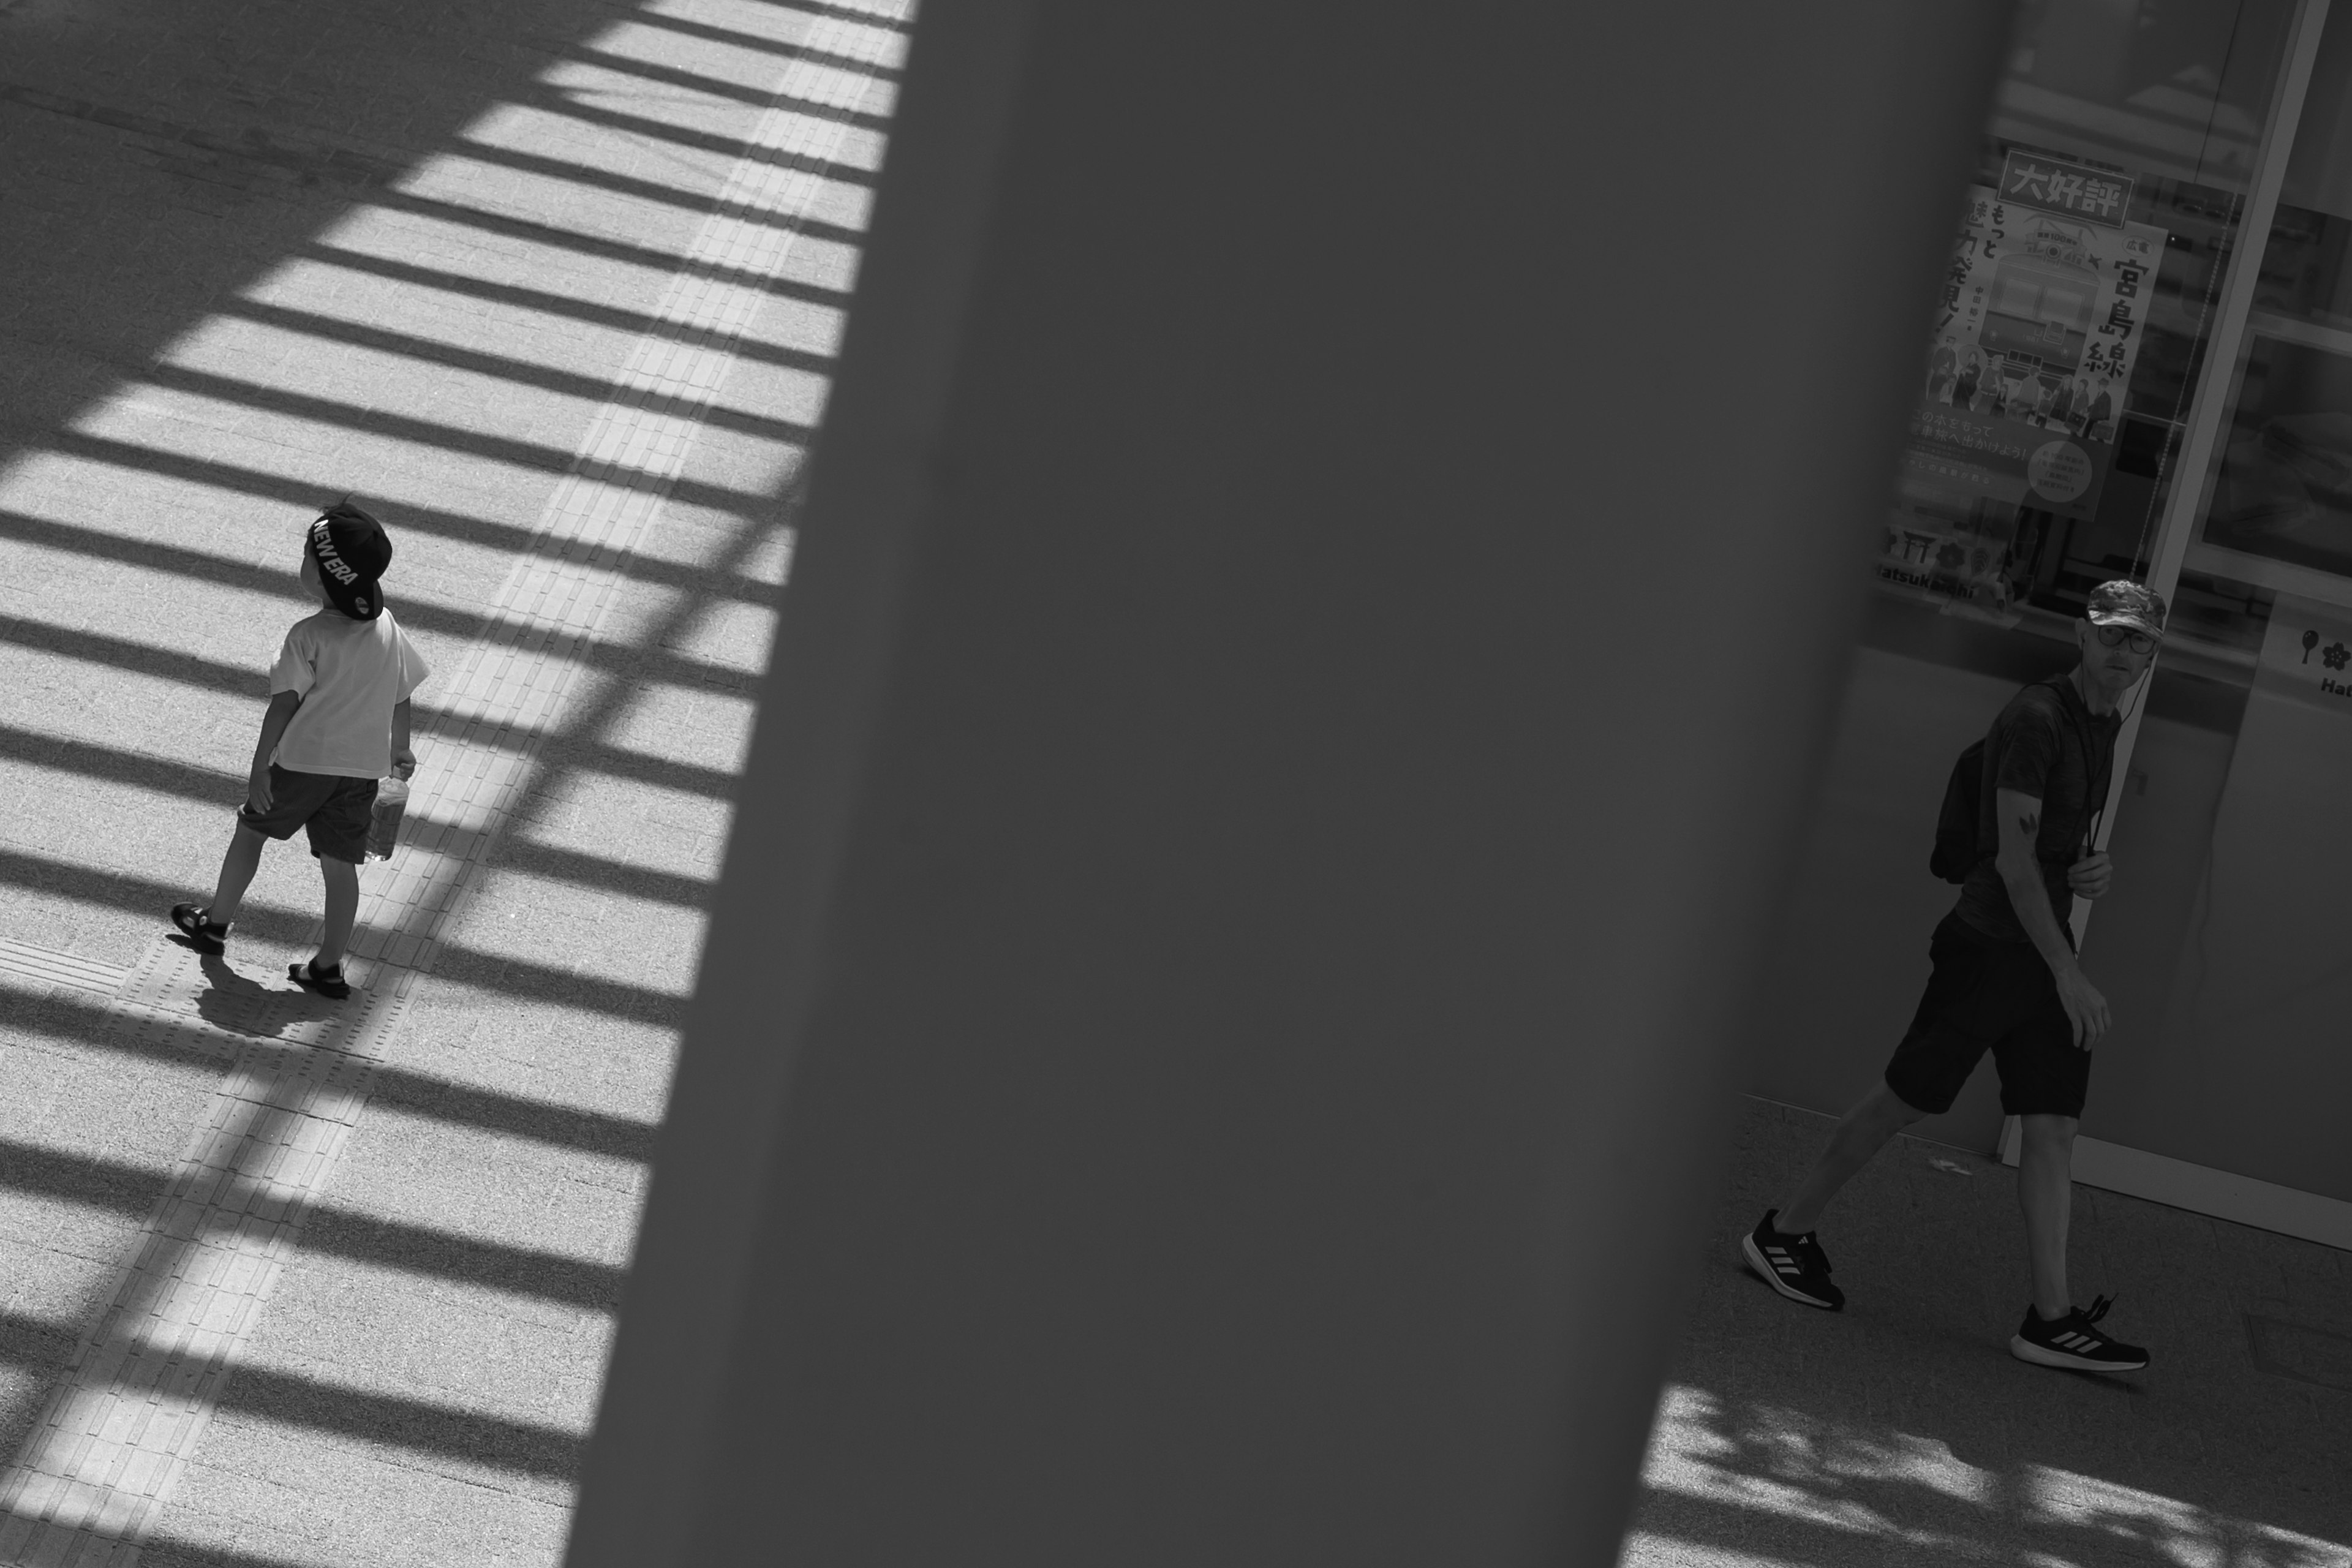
(1957, 824)
(1954, 854)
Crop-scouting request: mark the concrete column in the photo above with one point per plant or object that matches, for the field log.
(1325, 579)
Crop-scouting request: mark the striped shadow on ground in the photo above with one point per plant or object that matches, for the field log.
(96, 1475)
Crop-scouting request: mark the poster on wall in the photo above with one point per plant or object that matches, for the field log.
(2036, 333)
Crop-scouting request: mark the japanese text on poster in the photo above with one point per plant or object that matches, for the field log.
(2036, 332)
(2070, 190)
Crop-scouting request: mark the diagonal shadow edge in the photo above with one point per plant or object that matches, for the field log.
(305, 495)
(620, 318)
(574, 101)
(428, 433)
(457, 964)
(79, 1021)
(736, 38)
(655, 665)
(305, 492)
(448, 355)
(710, 85)
(354, 1234)
(528, 856)
(197, 780)
(293, 1399)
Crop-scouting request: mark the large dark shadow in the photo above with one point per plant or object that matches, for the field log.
(166, 152)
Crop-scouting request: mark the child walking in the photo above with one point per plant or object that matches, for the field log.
(337, 723)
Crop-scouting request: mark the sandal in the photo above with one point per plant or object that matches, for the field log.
(329, 983)
(196, 924)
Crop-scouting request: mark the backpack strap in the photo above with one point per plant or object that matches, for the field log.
(2083, 740)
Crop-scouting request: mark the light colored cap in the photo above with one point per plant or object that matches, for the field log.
(2123, 603)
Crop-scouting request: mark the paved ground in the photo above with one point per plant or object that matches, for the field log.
(1901, 1431)
(554, 289)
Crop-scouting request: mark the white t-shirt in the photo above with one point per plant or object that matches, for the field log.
(349, 674)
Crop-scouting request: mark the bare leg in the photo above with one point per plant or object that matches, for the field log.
(342, 908)
(2045, 1191)
(1863, 1132)
(237, 867)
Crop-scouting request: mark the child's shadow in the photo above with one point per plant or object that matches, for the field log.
(244, 1005)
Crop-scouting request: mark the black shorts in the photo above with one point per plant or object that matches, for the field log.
(1998, 995)
(335, 810)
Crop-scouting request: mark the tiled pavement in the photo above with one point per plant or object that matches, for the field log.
(556, 289)
(455, 258)
(1901, 1431)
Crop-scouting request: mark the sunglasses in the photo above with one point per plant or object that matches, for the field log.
(2116, 636)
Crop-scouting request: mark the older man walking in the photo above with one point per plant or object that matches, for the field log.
(2005, 979)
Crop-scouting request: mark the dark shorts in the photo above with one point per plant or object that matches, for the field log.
(334, 809)
(1990, 994)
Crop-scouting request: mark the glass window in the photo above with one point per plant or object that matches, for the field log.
(2082, 298)
(2047, 437)
(2232, 953)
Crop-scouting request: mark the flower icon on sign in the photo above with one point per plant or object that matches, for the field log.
(2336, 655)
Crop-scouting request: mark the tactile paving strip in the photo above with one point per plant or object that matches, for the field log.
(114, 1437)
(101, 1462)
(56, 968)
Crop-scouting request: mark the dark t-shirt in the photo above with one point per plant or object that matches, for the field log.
(2038, 747)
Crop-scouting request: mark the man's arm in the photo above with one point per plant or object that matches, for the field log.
(2020, 816)
(403, 761)
(274, 719)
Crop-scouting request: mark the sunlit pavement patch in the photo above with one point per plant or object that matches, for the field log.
(1764, 1460)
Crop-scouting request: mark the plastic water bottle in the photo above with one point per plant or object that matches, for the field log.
(384, 821)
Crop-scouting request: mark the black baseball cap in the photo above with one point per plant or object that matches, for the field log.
(351, 549)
